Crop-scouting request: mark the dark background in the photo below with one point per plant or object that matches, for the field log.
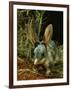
(56, 19)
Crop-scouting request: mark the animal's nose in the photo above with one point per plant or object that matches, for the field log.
(35, 61)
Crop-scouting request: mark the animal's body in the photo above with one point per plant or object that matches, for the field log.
(46, 52)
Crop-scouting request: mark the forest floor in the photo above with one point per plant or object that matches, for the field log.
(27, 71)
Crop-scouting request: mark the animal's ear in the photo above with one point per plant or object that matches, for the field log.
(33, 36)
(48, 33)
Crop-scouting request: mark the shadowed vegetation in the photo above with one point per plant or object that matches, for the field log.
(28, 22)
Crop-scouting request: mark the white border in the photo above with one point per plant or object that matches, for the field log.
(26, 82)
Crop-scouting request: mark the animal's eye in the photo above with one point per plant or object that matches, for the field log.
(36, 44)
(43, 43)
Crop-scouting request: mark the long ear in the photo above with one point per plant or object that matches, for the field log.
(48, 33)
(32, 35)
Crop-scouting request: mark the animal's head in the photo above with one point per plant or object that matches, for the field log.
(40, 49)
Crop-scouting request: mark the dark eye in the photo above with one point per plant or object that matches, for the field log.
(36, 44)
(43, 43)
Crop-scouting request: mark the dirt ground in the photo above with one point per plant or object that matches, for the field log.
(27, 71)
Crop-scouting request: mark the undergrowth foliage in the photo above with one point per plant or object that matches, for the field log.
(28, 22)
